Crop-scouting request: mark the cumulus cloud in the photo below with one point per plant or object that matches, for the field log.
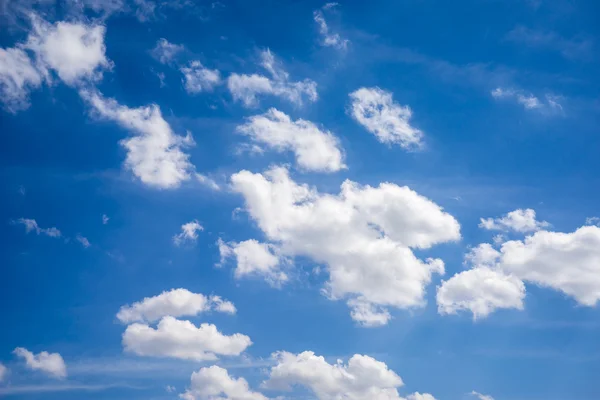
(31, 225)
(165, 52)
(519, 220)
(361, 378)
(566, 262)
(154, 152)
(376, 110)
(420, 396)
(363, 235)
(247, 88)
(51, 364)
(550, 104)
(329, 39)
(174, 303)
(197, 78)
(480, 290)
(74, 51)
(189, 233)
(183, 340)
(255, 259)
(214, 383)
(315, 149)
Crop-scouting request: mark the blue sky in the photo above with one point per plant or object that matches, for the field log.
(299, 200)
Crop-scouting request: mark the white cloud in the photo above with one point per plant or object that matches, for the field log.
(519, 220)
(105, 219)
(592, 221)
(165, 52)
(329, 39)
(481, 396)
(480, 290)
(170, 389)
(3, 372)
(315, 149)
(76, 51)
(32, 226)
(376, 110)
(198, 79)
(215, 383)
(50, 363)
(154, 153)
(247, 88)
(17, 77)
(174, 303)
(420, 396)
(361, 378)
(567, 262)
(363, 235)
(530, 102)
(254, 258)
(189, 233)
(83, 240)
(182, 339)
(208, 182)
(368, 314)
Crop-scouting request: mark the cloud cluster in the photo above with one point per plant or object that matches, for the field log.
(519, 220)
(376, 110)
(315, 149)
(188, 234)
(247, 88)
(566, 262)
(31, 225)
(363, 236)
(549, 105)
(51, 364)
(197, 78)
(175, 303)
(215, 383)
(75, 52)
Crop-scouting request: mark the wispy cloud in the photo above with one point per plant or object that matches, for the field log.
(578, 48)
(549, 104)
(65, 387)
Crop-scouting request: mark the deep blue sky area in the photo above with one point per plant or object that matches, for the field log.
(504, 99)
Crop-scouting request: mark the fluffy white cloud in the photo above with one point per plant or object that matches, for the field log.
(518, 220)
(76, 51)
(480, 290)
(368, 314)
(567, 262)
(247, 88)
(50, 363)
(215, 383)
(154, 153)
(361, 378)
(481, 396)
(189, 233)
(376, 110)
(420, 396)
(3, 372)
(315, 149)
(254, 258)
(18, 76)
(363, 235)
(31, 225)
(197, 78)
(329, 39)
(528, 100)
(174, 303)
(182, 339)
(165, 52)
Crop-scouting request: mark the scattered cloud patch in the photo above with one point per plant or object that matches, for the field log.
(549, 105)
(83, 240)
(315, 149)
(376, 110)
(208, 182)
(189, 233)
(3, 372)
(363, 235)
(31, 225)
(174, 303)
(105, 219)
(154, 153)
(165, 51)
(577, 48)
(328, 39)
(197, 78)
(255, 259)
(52, 364)
(182, 339)
(247, 88)
(215, 383)
(520, 220)
(481, 396)
(592, 221)
(18, 76)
